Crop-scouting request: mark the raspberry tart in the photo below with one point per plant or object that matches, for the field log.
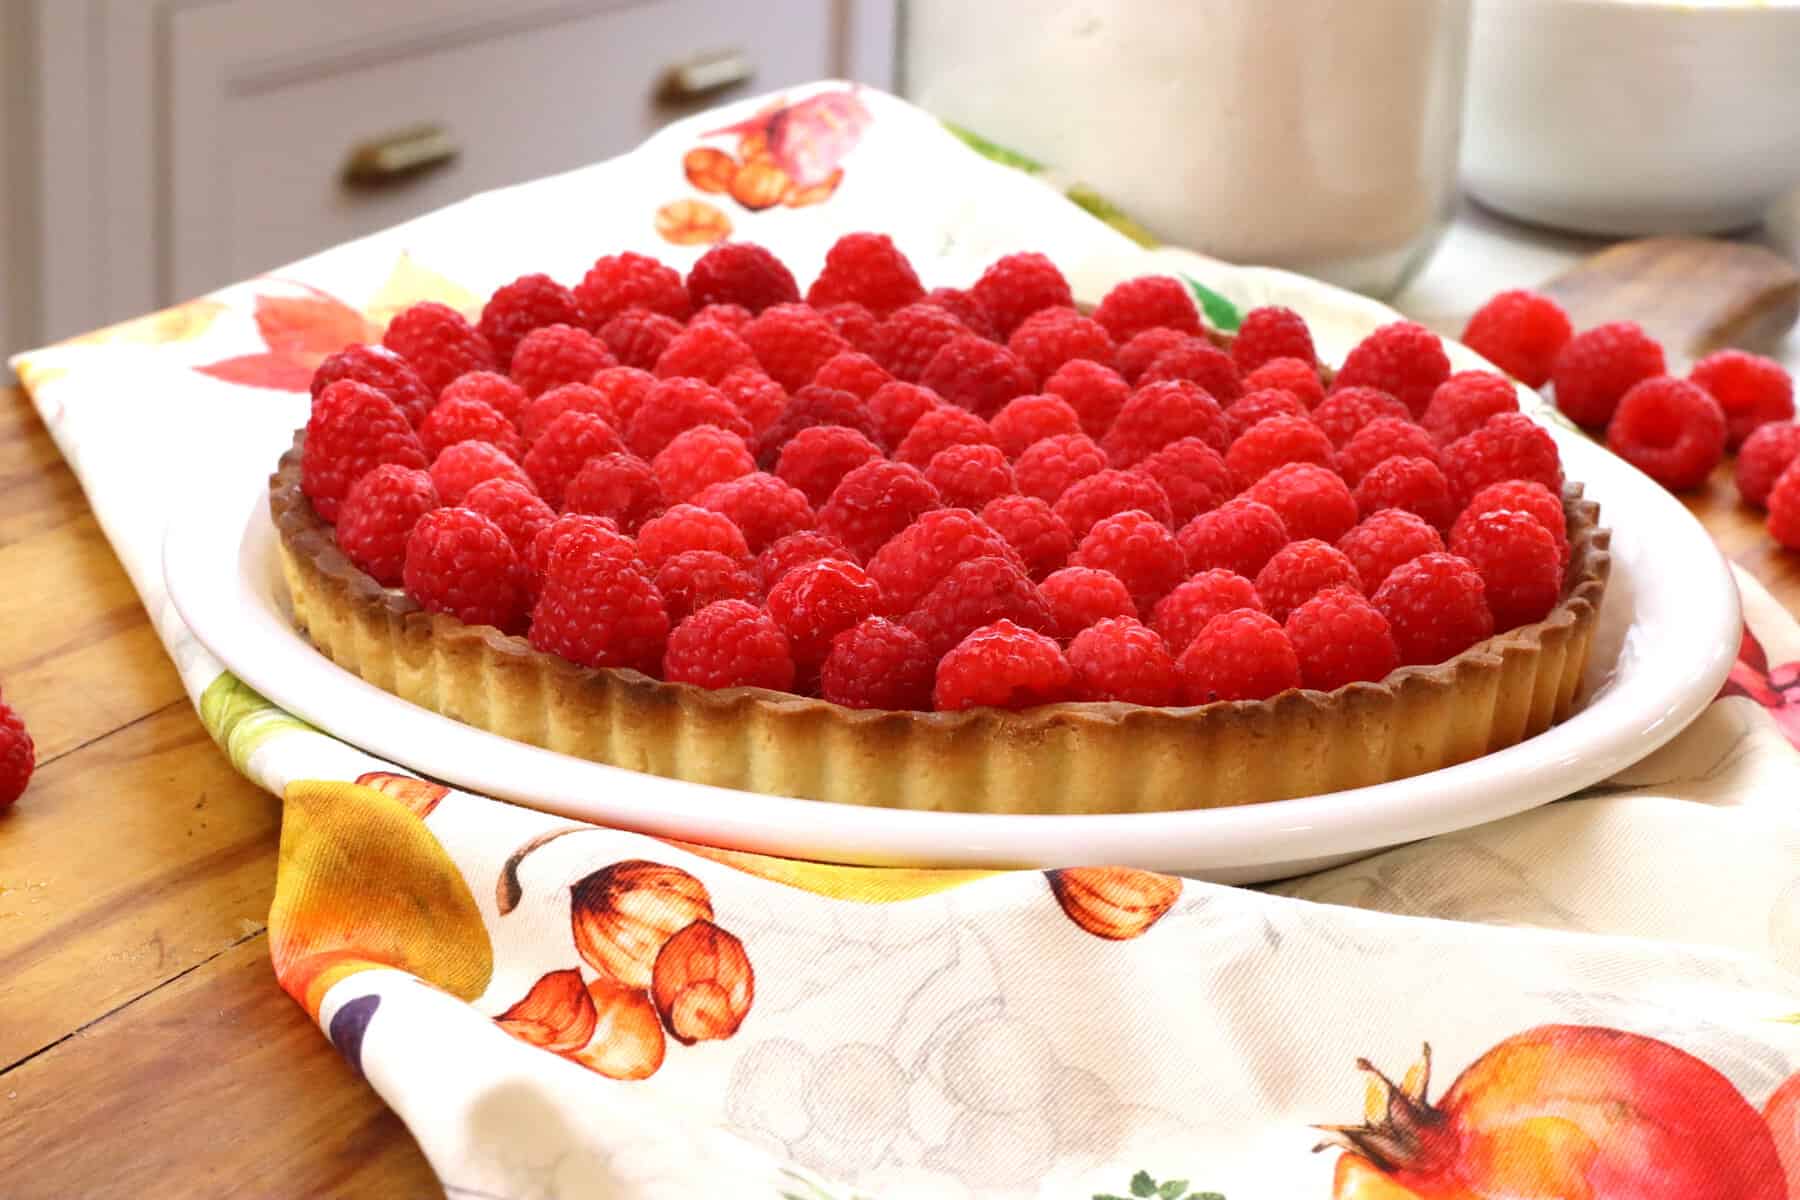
(976, 550)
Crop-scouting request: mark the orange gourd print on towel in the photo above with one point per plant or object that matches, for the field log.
(1115, 903)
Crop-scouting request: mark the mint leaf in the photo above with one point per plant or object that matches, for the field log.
(1142, 1184)
(1004, 155)
(1206, 1196)
(1220, 313)
(1172, 1189)
(1107, 1196)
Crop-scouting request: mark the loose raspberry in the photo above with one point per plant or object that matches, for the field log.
(352, 430)
(1437, 606)
(873, 503)
(1344, 412)
(693, 579)
(1140, 550)
(674, 405)
(1516, 557)
(1382, 439)
(618, 282)
(855, 373)
(909, 338)
(1192, 475)
(515, 508)
(819, 456)
(707, 352)
(740, 273)
(1340, 638)
(764, 507)
(562, 448)
(1526, 497)
(1028, 419)
(539, 414)
(1199, 362)
(1313, 502)
(620, 486)
(456, 471)
(915, 559)
(1413, 484)
(1670, 429)
(1762, 459)
(812, 406)
(792, 342)
(1509, 446)
(625, 388)
(977, 374)
(815, 602)
(796, 550)
(459, 419)
(896, 406)
(939, 429)
(1521, 333)
(463, 565)
(18, 757)
(1002, 666)
(878, 664)
(1784, 509)
(1106, 493)
(1050, 337)
(584, 534)
(1036, 534)
(689, 527)
(974, 593)
(1301, 570)
(1294, 375)
(527, 303)
(1752, 390)
(1240, 535)
(638, 337)
(1241, 655)
(1136, 355)
(1270, 333)
(959, 303)
(492, 389)
(1096, 393)
(1598, 366)
(855, 324)
(379, 368)
(970, 476)
(1383, 541)
(759, 399)
(599, 610)
(1184, 612)
(1464, 402)
(1119, 659)
(439, 342)
(1276, 442)
(378, 515)
(558, 354)
(866, 269)
(697, 459)
(1260, 405)
(1147, 302)
(729, 643)
(1403, 359)
(1018, 285)
(732, 318)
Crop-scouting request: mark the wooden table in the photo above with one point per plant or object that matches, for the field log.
(145, 1048)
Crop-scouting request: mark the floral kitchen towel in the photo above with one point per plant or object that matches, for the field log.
(1597, 999)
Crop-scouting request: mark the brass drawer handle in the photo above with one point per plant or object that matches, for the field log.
(704, 75)
(392, 157)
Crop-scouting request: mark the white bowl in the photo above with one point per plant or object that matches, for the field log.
(1627, 117)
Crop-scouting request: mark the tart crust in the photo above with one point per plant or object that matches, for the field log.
(1059, 758)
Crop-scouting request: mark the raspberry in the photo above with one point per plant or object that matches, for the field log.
(1405, 360)
(812, 406)
(1275, 442)
(1381, 439)
(764, 507)
(796, 550)
(819, 456)
(919, 556)
(1241, 655)
(1464, 402)
(1018, 285)
(592, 534)
(1106, 493)
(1192, 476)
(1036, 534)
(1270, 333)
(729, 643)
(1751, 389)
(377, 515)
(895, 406)
(878, 664)
(1670, 429)
(637, 337)
(1762, 459)
(460, 419)
(456, 471)
(439, 343)
(759, 399)
(909, 338)
(1312, 502)
(1082, 596)
(1051, 337)
(730, 317)
(1184, 612)
(618, 282)
(352, 430)
(1147, 302)
(815, 602)
(674, 405)
(379, 368)
(697, 459)
(873, 503)
(625, 388)
(492, 389)
(1137, 548)
(1120, 659)
(1240, 535)
(1096, 393)
(1340, 638)
(1784, 509)
(688, 527)
(1002, 666)
(1160, 413)
(1383, 541)
(970, 476)
(1517, 560)
(1598, 366)
(976, 593)
(855, 373)
(740, 273)
(1526, 497)
(1200, 362)
(977, 374)
(865, 269)
(960, 304)
(1028, 419)
(1413, 484)
(1437, 607)
(693, 579)
(515, 508)
(622, 487)
(708, 352)
(1260, 405)
(562, 448)
(598, 609)
(18, 757)
(463, 565)
(1290, 375)
(1508, 446)
(939, 429)
(1136, 355)
(1301, 570)
(855, 324)
(527, 303)
(1521, 333)
(792, 342)
(558, 354)
(539, 414)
